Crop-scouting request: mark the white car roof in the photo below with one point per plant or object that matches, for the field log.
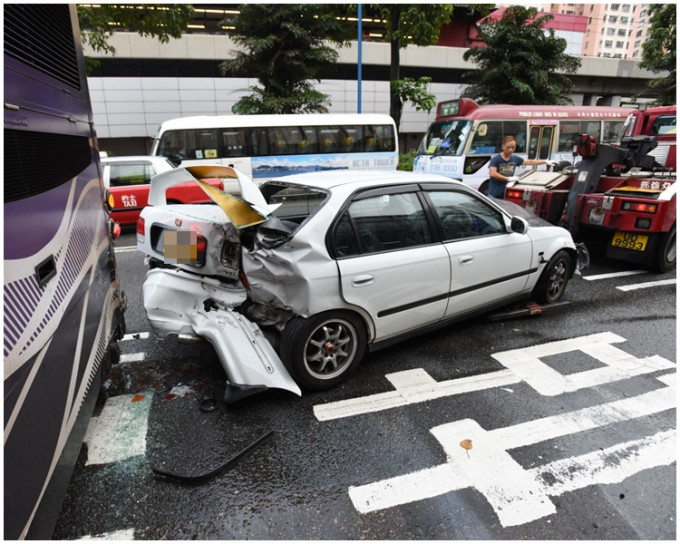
(361, 178)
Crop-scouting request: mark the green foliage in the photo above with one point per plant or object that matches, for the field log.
(286, 47)
(162, 21)
(522, 63)
(406, 161)
(415, 92)
(658, 51)
(417, 24)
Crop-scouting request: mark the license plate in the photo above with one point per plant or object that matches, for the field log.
(630, 240)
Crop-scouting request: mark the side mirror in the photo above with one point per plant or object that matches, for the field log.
(519, 225)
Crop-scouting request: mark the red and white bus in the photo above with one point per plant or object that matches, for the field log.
(464, 135)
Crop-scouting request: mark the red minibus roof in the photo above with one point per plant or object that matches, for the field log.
(469, 109)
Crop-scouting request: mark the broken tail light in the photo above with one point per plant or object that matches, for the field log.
(140, 229)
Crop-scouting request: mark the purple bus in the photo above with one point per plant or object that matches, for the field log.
(63, 307)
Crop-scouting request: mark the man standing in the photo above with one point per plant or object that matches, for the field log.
(502, 167)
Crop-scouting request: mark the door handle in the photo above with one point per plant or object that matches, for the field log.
(360, 281)
(467, 259)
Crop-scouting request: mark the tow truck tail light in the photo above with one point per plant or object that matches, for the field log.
(514, 193)
(641, 207)
(140, 229)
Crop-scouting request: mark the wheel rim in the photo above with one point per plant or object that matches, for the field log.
(330, 349)
(558, 279)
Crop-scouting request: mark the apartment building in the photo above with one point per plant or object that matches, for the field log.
(613, 30)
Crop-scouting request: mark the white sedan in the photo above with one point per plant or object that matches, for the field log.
(332, 264)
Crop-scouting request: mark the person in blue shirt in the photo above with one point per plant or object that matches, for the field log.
(502, 167)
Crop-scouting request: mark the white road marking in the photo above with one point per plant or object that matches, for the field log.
(517, 495)
(136, 336)
(646, 285)
(617, 364)
(125, 249)
(119, 432)
(596, 277)
(123, 534)
(412, 386)
(132, 357)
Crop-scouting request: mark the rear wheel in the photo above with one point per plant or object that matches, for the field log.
(322, 351)
(664, 260)
(553, 280)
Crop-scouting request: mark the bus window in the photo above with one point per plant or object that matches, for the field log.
(309, 143)
(259, 145)
(234, 142)
(569, 130)
(489, 140)
(385, 137)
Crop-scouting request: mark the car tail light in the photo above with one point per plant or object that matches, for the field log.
(114, 229)
(641, 207)
(513, 193)
(244, 280)
(201, 247)
(140, 229)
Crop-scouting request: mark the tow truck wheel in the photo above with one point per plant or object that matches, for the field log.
(322, 351)
(665, 254)
(553, 280)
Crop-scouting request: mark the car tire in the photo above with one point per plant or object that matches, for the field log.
(484, 188)
(553, 280)
(664, 260)
(320, 352)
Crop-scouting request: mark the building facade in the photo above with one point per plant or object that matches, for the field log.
(147, 82)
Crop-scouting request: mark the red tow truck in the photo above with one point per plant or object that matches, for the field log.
(620, 197)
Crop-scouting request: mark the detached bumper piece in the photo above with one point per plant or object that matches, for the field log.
(177, 302)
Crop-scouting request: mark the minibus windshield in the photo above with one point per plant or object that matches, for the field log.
(445, 137)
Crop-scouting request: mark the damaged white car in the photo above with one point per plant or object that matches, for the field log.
(293, 281)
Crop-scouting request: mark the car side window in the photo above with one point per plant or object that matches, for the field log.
(464, 216)
(381, 223)
(123, 175)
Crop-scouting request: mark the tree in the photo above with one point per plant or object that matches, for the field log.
(523, 63)
(163, 21)
(658, 51)
(411, 24)
(286, 47)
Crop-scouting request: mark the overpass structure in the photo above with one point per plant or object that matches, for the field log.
(147, 82)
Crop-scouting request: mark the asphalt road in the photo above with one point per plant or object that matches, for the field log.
(558, 426)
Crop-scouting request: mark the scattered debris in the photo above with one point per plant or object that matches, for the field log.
(202, 477)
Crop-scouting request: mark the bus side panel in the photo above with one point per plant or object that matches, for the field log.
(64, 329)
(63, 308)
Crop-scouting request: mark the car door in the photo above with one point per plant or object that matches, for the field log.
(389, 262)
(488, 262)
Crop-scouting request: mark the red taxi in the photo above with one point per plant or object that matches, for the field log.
(128, 180)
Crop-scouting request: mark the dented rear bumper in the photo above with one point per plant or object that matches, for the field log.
(181, 303)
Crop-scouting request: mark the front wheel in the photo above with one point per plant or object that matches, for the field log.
(322, 351)
(553, 280)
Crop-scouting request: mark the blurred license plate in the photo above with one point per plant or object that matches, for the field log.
(630, 240)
